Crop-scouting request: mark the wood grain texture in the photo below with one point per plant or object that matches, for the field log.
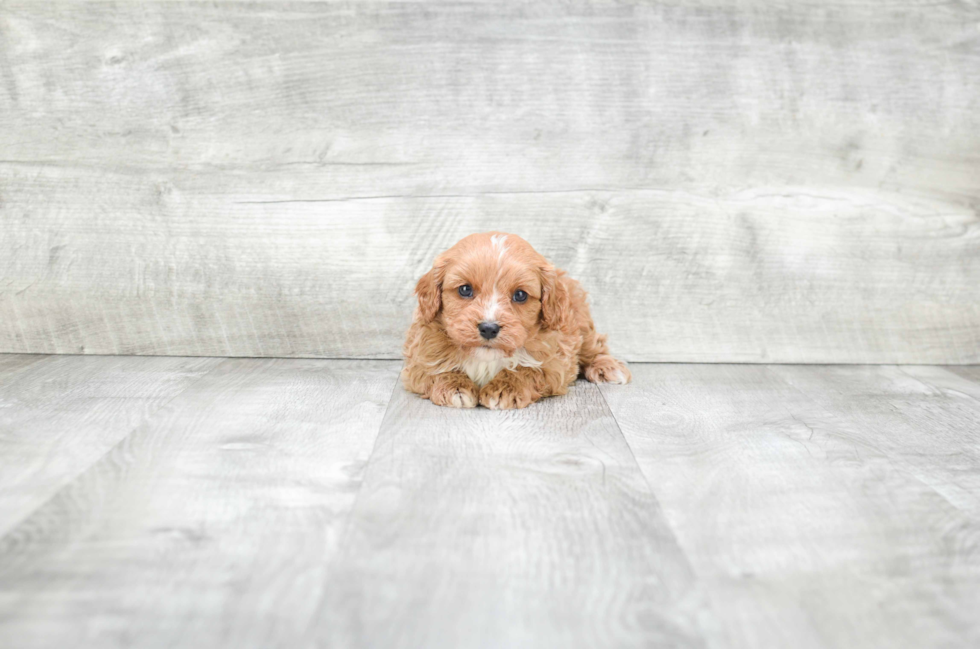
(732, 181)
(13, 364)
(925, 419)
(59, 415)
(971, 373)
(672, 276)
(209, 526)
(812, 502)
(527, 528)
(702, 505)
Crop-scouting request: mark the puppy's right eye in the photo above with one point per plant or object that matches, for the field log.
(465, 290)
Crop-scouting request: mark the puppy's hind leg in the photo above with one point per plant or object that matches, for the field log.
(597, 363)
(606, 369)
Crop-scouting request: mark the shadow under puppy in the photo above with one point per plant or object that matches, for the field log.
(498, 325)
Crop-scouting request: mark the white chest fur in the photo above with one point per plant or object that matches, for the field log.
(483, 364)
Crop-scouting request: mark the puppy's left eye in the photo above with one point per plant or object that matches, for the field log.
(520, 296)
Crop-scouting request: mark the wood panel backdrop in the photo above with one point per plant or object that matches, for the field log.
(732, 181)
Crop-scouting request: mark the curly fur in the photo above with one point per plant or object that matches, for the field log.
(543, 344)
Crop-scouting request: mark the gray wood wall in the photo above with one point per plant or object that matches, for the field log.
(732, 181)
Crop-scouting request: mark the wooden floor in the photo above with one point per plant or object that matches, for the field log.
(196, 502)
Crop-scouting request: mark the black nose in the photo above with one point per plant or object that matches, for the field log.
(489, 329)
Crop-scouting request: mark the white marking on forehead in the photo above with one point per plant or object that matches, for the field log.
(497, 243)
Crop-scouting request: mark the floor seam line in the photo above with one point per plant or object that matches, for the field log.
(698, 579)
(109, 450)
(342, 543)
(622, 435)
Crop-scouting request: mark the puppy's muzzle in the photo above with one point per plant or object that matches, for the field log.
(489, 330)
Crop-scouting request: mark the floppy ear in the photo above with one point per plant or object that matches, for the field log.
(429, 292)
(556, 300)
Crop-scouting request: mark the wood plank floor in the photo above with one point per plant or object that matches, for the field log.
(194, 502)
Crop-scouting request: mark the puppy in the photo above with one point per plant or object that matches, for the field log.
(498, 325)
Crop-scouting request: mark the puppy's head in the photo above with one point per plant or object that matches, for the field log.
(492, 291)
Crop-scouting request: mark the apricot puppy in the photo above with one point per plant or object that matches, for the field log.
(498, 325)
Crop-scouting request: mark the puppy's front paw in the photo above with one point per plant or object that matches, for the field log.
(606, 369)
(454, 392)
(498, 396)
